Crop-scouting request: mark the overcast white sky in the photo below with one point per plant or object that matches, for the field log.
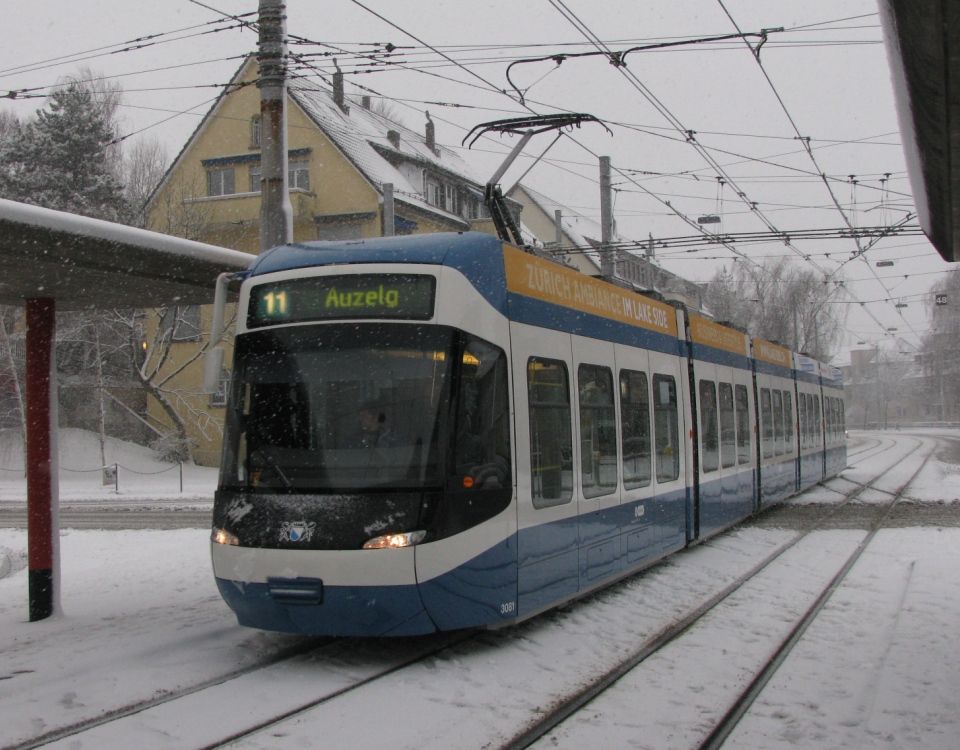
(829, 67)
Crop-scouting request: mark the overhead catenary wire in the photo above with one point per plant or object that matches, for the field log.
(127, 47)
(493, 87)
(661, 108)
(561, 7)
(860, 250)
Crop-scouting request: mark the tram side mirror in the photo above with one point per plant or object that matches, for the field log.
(212, 369)
(213, 359)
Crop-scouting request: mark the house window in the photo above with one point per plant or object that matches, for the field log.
(435, 194)
(298, 174)
(255, 131)
(219, 397)
(221, 181)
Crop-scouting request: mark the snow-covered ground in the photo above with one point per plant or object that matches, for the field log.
(141, 475)
(141, 617)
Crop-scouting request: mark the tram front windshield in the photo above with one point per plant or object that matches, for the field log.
(339, 407)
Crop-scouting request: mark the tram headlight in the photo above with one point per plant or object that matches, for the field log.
(222, 536)
(395, 541)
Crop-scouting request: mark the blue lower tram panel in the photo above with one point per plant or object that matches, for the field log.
(341, 610)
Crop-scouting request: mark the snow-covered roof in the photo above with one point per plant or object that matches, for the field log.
(361, 135)
(88, 263)
(583, 232)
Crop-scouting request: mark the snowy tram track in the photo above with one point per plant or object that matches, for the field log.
(492, 689)
(746, 699)
(247, 700)
(571, 723)
(537, 692)
(115, 519)
(867, 447)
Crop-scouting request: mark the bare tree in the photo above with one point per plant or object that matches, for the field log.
(143, 168)
(779, 301)
(153, 334)
(178, 215)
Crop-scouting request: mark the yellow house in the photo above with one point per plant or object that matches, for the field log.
(341, 155)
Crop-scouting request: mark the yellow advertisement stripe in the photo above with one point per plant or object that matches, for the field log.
(767, 351)
(708, 333)
(540, 279)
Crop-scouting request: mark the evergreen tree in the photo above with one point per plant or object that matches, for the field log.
(61, 160)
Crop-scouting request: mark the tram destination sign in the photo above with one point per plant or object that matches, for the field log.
(407, 296)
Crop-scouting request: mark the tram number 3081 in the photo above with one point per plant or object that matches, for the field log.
(508, 608)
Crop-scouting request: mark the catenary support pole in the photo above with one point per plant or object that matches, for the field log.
(606, 219)
(389, 217)
(43, 501)
(276, 215)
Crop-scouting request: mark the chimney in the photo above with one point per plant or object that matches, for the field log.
(365, 102)
(394, 137)
(338, 89)
(431, 135)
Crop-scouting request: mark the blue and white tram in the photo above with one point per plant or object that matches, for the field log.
(834, 420)
(442, 431)
(774, 379)
(809, 424)
(721, 367)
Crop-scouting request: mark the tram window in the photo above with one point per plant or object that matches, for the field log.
(635, 421)
(828, 415)
(743, 424)
(817, 433)
(709, 440)
(665, 431)
(551, 447)
(789, 426)
(843, 418)
(802, 414)
(482, 444)
(777, 423)
(293, 422)
(766, 419)
(811, 423)
(728, 431)
(598, 431)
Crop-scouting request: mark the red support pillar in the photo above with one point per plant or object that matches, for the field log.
(42, 488)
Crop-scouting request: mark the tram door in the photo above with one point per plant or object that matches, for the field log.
(547, 530)
(672, 446)
(597, 485)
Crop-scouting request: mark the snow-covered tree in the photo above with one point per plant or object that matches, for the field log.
(62, 159)
(143, 167)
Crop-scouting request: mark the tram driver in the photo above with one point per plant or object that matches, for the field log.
(373, 430)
